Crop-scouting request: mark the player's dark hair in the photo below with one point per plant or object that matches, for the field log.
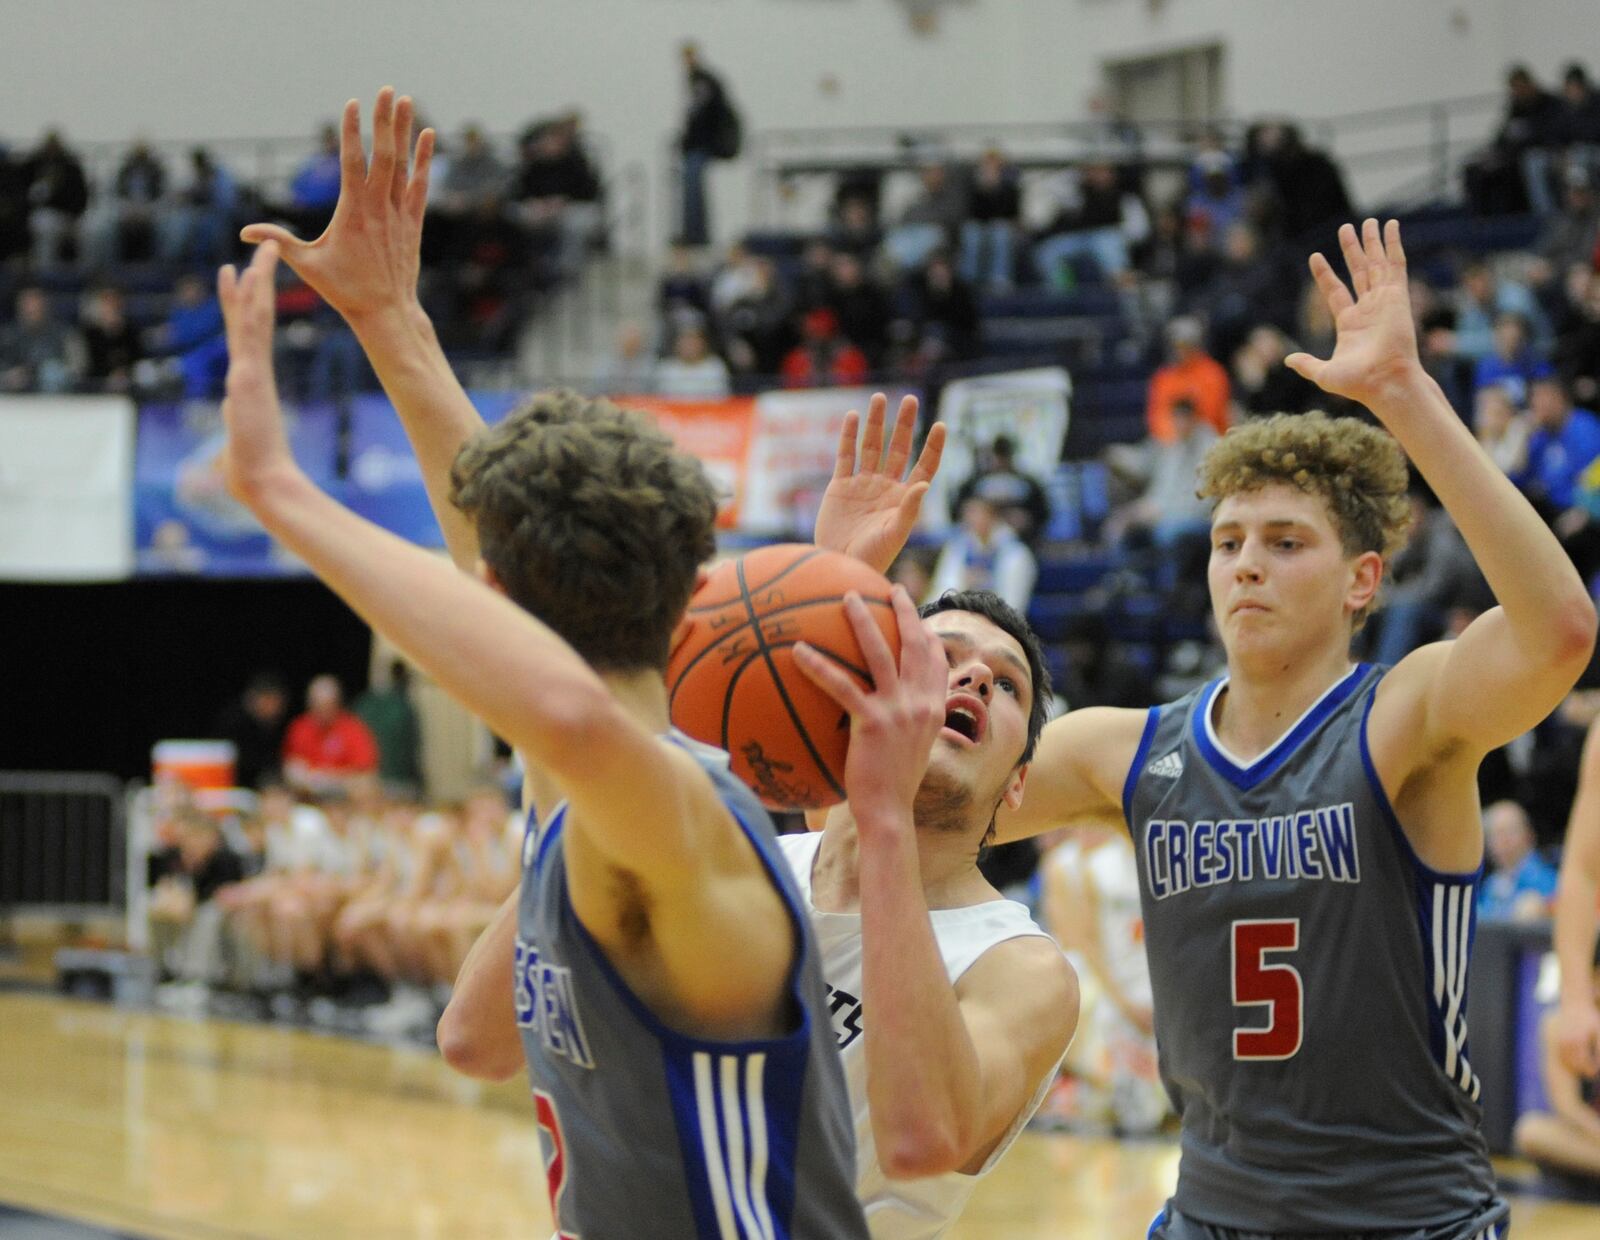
(591, 520)
(1008, 620)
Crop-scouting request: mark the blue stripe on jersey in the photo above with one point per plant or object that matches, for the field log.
(738, 1130)
(1447, 924)
(736, 1105)
(1246, 778)
(1137, 769)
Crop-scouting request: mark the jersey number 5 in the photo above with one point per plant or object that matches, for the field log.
(555, 1169)
(1275, 987)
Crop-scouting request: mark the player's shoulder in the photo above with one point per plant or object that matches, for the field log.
(1025, 978)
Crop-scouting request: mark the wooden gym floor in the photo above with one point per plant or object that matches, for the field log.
(207, 1130)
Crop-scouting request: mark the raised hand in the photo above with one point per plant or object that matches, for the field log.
(366, 262)
(1375, 348)
(868, 510)
(257, 449)
(894, 724)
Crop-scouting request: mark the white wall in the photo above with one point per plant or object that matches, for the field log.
(105, 69)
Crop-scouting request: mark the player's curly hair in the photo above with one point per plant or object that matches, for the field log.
(1355, 468)
(592, 521)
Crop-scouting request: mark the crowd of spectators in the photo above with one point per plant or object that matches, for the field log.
(107, 286)
(899, 294)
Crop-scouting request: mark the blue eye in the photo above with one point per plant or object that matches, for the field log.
(1009, 685)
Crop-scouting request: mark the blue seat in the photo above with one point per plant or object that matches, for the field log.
(1052, 614)
(1074, 574)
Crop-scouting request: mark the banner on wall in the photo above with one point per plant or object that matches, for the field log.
(185, 522)
(793, 445)
(770, 457)
(1031, 406)
(385, 481)
(66, 465)
(716, 431)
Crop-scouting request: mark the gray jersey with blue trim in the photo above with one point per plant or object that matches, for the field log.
(1310, 978)
(649, 1132)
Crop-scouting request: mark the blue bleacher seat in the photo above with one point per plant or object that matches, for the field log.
(1074, 574)
(1050, 614)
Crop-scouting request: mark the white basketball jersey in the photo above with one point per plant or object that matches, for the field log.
(902, 1209)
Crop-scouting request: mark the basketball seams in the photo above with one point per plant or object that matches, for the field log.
(756, 620)
(729, 695)
(783, 690)
(765, 585)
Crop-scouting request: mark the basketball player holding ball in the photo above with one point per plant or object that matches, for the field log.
(654, 967)
(1308, 829)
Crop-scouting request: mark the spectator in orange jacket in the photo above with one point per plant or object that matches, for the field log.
(328, 745)
(1193, 375)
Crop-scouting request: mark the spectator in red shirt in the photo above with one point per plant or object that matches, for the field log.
(327, 746)
(823, 358)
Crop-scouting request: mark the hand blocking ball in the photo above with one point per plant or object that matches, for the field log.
(733, 681)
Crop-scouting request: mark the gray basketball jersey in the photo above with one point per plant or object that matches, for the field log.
(650, 1132)
(1310, 979)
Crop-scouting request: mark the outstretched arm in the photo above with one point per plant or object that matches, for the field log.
(517, 675)
(1077, 773)
(1576, 1027)
(1516, 662)
(365, 266)
(948, 1067)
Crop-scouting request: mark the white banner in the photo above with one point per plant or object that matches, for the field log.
(66, 488)
(792, 449)
(1031, 406)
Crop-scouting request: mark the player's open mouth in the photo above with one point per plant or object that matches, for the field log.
(965, 720)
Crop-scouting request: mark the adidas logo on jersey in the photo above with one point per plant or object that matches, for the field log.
(1168, 767)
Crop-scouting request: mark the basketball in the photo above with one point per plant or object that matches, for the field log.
(733, 680)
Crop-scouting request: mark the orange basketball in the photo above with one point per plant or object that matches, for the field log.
(733, 680)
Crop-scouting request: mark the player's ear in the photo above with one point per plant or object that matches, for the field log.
(1012, 797)
(1366, 575)
(486, 575)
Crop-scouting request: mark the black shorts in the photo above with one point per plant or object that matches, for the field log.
(1493, 1222)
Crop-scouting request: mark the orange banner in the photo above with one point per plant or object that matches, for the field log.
(716, 431)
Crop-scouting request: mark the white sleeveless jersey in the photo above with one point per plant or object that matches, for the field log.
(902, 1209)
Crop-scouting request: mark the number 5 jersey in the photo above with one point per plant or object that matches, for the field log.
(1310, 978)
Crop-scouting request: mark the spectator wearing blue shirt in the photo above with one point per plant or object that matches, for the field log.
(1520, 883)
(1513, 366)
(316, 185)
(198, 226)
(1484, 297)
(1564, 441)
(193, 334)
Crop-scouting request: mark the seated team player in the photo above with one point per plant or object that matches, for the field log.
(296, 839)
(484, 863)
(666, 984)
(376, 928)
(304, 902)
(1565, 1139)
